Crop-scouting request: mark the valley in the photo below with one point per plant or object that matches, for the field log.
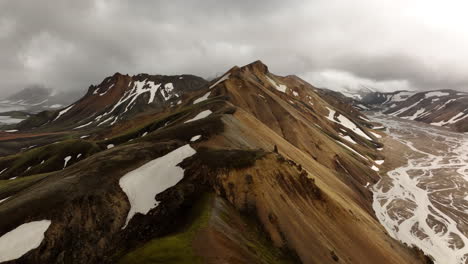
(422, 198)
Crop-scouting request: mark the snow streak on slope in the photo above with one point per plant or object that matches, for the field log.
(344, 121)
(424, 203)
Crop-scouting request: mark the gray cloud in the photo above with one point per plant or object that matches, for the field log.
(72, 44)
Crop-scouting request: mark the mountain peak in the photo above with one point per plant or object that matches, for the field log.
(257, 65)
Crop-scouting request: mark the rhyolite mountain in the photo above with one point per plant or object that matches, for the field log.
(249, 168)
(119, 97)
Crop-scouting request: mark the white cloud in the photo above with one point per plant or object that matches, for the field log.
(339, 80)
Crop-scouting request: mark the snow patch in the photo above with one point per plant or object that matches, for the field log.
(379, 162)
(375, 134)
(201, 99)
(64, 111)
(143, 184)
(201, 115)
(195, 138)
(22, 239)
(67, 159)
(279, 87)
(436, 94)
(222, 79)
(85, 125)
(3, 200)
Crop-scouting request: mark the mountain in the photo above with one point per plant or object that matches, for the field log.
(446, 108)
(354, 92)
(37, 98)
(119, 97)
(382, 100)
(249, 168)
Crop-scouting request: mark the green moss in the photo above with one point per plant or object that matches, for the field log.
(53, 156)
(9, 187)
(177, 247)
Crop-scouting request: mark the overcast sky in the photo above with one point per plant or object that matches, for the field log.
(394, 44)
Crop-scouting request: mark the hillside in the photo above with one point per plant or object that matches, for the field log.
(249, 168)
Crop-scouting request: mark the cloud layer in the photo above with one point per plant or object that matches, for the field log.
(399, 44)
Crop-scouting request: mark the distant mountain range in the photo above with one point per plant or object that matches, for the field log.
(444, 108)
(31, 100)
(35, 99)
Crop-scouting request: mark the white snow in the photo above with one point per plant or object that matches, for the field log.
(222, 79)
(22, 239)
(108, 89)
(201, 99)
(55, 106)
(11, 131)
(435, 94)
(195, 138)
(348, 138)
(3, 170)
(64, 111)
(130, 96)
(346, 146)
(106, 121)
(363, 106)
(375, 168)
(376, 135)
(379, 162)
(295, 93)
(417, 114)
(201, 115)
(78, 156)
(279, 87)
(12, 178)
(3, 200)
(331, 114)
(168, 91)
(456, 118)
(404, 109)
(365, 119)
(143, 184)
(344, 121)
(85, 136)
(401, 96)
(110, 146)
(85, 125)
(67, 159)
